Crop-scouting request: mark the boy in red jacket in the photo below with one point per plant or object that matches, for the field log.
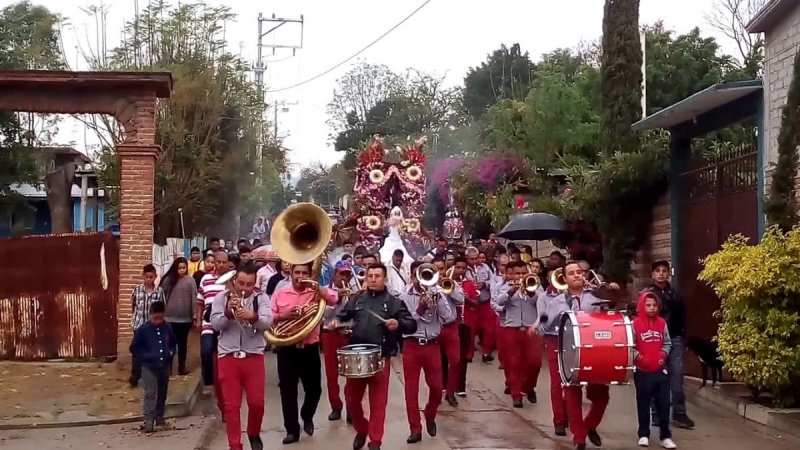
(652, 381)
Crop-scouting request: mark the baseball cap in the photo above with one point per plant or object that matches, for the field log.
(343, 266)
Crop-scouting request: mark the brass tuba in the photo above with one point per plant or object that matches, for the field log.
(557, 280)
(300, 234)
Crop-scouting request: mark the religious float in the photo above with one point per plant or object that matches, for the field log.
(389, 199)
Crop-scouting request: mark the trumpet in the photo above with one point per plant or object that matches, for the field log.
(594, 280)
(360, 275)
(235, 301)
(557, 280)
(447, 283)
(530, 283)
(428, 275)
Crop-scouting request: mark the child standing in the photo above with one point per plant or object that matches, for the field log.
(651, 378)
(154, 344)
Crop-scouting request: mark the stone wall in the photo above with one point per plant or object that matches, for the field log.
(781, 46)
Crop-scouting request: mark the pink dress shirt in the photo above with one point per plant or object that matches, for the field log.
(286, 298)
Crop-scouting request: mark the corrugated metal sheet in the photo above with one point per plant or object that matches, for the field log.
(54, 302)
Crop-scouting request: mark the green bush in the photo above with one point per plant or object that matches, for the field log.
(759, 285)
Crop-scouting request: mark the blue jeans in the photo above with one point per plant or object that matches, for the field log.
(675, 368)
(208, 346)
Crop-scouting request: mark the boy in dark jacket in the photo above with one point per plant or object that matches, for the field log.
(652, 345)
(154, 345)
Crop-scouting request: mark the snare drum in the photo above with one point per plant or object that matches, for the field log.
(595, 348)
(359, 360)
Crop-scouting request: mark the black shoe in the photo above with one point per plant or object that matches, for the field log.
(291, 438)
(682, 421)
(451, 400)
(183, 371)
(580, 446)
(561, 430)
(349, 419)
(532, 397)
(148, 426)
(133, 383)
(507, 391)
(255, 442)
(336, 414)
(161, 423)
(413, 438)
(308, 427)
(487, 358)
(360, 441)
(517, 403)
(432, 429)
(374, 447)
(594, 438)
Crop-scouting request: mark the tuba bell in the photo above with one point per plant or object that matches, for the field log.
(300, 234)
(428, 275)
(557, 280)
(530, 283)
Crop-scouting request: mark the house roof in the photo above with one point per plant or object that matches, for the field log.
(64, 151)
(30, 191)
(160, 82)
(770, 15)
(697, 104)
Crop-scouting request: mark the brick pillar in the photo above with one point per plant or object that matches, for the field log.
(137, 178)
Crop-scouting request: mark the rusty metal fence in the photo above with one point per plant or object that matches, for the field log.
(58, 297)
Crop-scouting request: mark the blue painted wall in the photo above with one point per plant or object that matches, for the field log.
(36, 219)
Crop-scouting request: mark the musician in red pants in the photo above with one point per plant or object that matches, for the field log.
(466, 335)
(523, 354)
(430, 308)
(449, 337)
(332, 340)
(481, 320)
(498, 281)
(576, 298)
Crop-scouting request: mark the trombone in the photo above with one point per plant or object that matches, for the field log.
(359, 275)
(447, 283)
(530, 283)
(594, 280)
(558, 281)
(428, 276)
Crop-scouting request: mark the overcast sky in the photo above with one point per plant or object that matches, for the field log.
(446, 37)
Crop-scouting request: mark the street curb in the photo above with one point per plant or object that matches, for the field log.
(172, 410)
(207, 435)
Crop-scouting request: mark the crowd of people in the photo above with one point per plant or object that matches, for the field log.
(435, 331)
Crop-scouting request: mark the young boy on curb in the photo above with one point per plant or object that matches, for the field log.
(154, 345)
(652, 345)
(142, 297)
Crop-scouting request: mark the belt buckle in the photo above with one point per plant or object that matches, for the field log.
(523, 328)
(422, 341)
(240, 355)
(300, 345)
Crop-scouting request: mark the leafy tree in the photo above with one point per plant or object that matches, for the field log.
(781, 206)
(507, 74)
(210, 128)
(620, 76)
(29, 40)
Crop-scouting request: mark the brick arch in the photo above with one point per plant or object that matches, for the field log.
(130, 97)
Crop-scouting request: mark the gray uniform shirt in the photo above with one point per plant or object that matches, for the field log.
(481, 273)
(456, 300)
(232, 336)
(520, 310)
(553, 306)
(429, 324)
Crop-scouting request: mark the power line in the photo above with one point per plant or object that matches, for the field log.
(320, 75)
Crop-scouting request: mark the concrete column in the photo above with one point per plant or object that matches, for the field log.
(137, 178)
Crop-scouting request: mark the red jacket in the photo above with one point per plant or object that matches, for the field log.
(651, 337)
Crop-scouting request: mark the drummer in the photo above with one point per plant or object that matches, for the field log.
(575, 298)
(333, 340)
(378, 319)
(421, 352)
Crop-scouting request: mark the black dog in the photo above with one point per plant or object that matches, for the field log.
(708, 354)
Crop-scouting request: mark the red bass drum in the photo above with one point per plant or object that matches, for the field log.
(595, 348)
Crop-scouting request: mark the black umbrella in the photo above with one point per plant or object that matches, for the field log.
(535, 227)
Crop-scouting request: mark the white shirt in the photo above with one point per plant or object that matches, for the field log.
(397, 279)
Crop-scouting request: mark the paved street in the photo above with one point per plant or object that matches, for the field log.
(484, 420)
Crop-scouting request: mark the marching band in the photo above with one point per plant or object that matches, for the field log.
(438, 310)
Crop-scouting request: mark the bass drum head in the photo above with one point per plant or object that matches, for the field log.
(567, 351)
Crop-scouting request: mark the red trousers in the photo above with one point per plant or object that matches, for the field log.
(578, 425)
(451, 351)
(354, 390)
(237, 375)
(502, 346)
(557, 401)
(482, 321)
(425, 358)
(331, 342)
(524, 359)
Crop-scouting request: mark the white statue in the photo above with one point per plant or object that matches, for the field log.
(394, 241)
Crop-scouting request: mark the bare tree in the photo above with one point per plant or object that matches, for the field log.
(730, 18)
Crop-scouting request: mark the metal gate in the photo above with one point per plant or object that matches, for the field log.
(719, 199)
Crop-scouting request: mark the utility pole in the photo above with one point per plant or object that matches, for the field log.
(259, 68)
(283, 104)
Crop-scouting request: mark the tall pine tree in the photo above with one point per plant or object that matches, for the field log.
(620, 76)
(781, 207)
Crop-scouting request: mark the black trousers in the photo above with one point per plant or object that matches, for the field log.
(298, 364)
(136, 369)
(464, 334)
(181, 330)
(652, 386)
